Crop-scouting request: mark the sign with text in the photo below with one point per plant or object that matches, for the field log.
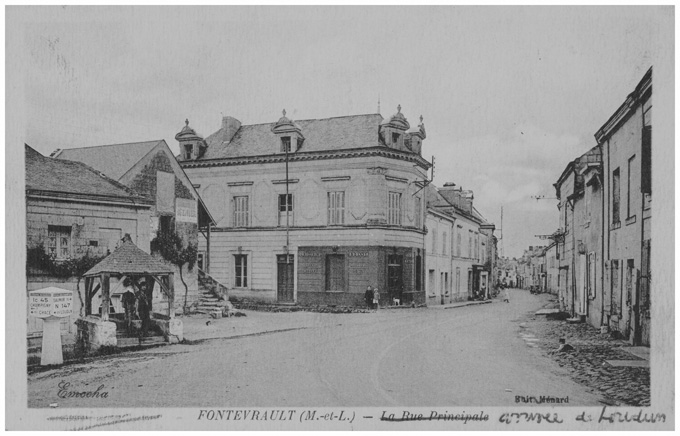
(47, 302)
(186, 210)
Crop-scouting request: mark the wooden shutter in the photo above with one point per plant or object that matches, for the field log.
(646, 161)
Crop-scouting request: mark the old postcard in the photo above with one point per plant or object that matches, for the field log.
(340, 218)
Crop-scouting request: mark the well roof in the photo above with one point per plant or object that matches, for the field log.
(129, 259)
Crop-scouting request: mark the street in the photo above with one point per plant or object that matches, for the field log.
(467, 356)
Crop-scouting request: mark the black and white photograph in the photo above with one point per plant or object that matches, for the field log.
(340, 217)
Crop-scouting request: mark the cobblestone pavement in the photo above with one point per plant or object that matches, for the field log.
(620, 386)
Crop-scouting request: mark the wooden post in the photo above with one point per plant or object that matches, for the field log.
(207, 253)
(106, 299)
(88, 296)
(171, 295)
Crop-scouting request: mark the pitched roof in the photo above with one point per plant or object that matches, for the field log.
(339, 133)
(129, 259)
(113, 160)
(63, 176)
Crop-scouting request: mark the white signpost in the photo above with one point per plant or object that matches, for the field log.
(51, 304)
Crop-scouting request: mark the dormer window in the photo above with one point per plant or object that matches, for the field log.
(285, 144)
(395, 138)
(299, 143)
(188, 150)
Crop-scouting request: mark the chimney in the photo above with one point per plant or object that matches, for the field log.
(230, 125)
(451, 193)
(467, 197)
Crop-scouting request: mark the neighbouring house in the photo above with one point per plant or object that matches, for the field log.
(73, 211)
(551, 269)
(151, 170)
(626, 144)
(469, 247)
(314, 211)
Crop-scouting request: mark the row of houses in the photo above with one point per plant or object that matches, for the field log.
(598, 262)
(307, 212)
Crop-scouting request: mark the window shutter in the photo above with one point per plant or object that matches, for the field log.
(646, 161)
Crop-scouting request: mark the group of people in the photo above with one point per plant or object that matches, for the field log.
(137, 306)
(372, 297)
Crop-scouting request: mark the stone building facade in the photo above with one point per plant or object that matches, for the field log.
(604, 238)
(71, 211)
(461, 247)
(626, 144)
(150, 169)
(314, 211)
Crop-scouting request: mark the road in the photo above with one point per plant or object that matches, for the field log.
(469, 356)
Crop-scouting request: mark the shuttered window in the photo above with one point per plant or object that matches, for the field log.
(616, 196)
(419, 213)
(336, 208)
(59, 241)
(394, 208)
(241, 211)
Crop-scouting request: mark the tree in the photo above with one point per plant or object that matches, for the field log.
(170, 246)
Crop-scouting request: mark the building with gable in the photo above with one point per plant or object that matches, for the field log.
(460, 246)
(314, 211)
(71, 209)
(151, 170)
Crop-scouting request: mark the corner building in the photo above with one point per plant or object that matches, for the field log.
(314, 211)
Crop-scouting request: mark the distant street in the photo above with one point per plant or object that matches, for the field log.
(468, 356)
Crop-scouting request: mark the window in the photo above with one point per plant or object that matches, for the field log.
(394, 212)
(336, 208)
(631, 168)
(592, 282)
(444, 237)
(241, 270)
(470, 244)
(434, 241)
(419, 213)
(616, 196)
(285, 144)
(458, 242)
(164, 224)
(431, 281)
(59, 241)
(188, 148)
(241, 211)
(335, 272)
(395, 138)
(285, 209)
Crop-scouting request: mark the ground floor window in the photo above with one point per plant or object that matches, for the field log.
(59, 241)
(241, 270)
(419, 272)
(335, 272)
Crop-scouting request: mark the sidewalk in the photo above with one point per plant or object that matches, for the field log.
(459, 304)
(610, 367)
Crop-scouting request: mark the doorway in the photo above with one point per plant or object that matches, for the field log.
(395, 281)
(285, 283)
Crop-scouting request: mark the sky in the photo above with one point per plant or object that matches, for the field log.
(509, 95)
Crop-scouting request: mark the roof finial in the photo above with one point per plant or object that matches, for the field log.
(284, 112)
(378, 103)
(186, 121)
(421, 119)
(399, 109)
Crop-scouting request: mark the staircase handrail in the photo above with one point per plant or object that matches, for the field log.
(217, 289)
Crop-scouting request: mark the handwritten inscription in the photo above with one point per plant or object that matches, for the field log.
(66, 392)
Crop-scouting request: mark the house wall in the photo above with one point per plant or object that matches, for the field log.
(175, 200)
(624, 237)
(365, 182)
(90, 223)
(439, 272)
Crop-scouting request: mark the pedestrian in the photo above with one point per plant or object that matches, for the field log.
(368, 296)
(506, 297)
(143, 310)
(376, 299)
(128, 299)
(482, 292)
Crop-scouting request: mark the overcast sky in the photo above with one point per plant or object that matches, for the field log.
(508, 95)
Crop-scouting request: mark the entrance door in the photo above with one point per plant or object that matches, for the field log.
(285, 282)
(395, 281)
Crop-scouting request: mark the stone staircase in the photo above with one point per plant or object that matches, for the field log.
(213, 296)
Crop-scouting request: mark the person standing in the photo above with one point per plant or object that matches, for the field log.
(143, 310)
(376, 298)
(128, 300)
(368, 296)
